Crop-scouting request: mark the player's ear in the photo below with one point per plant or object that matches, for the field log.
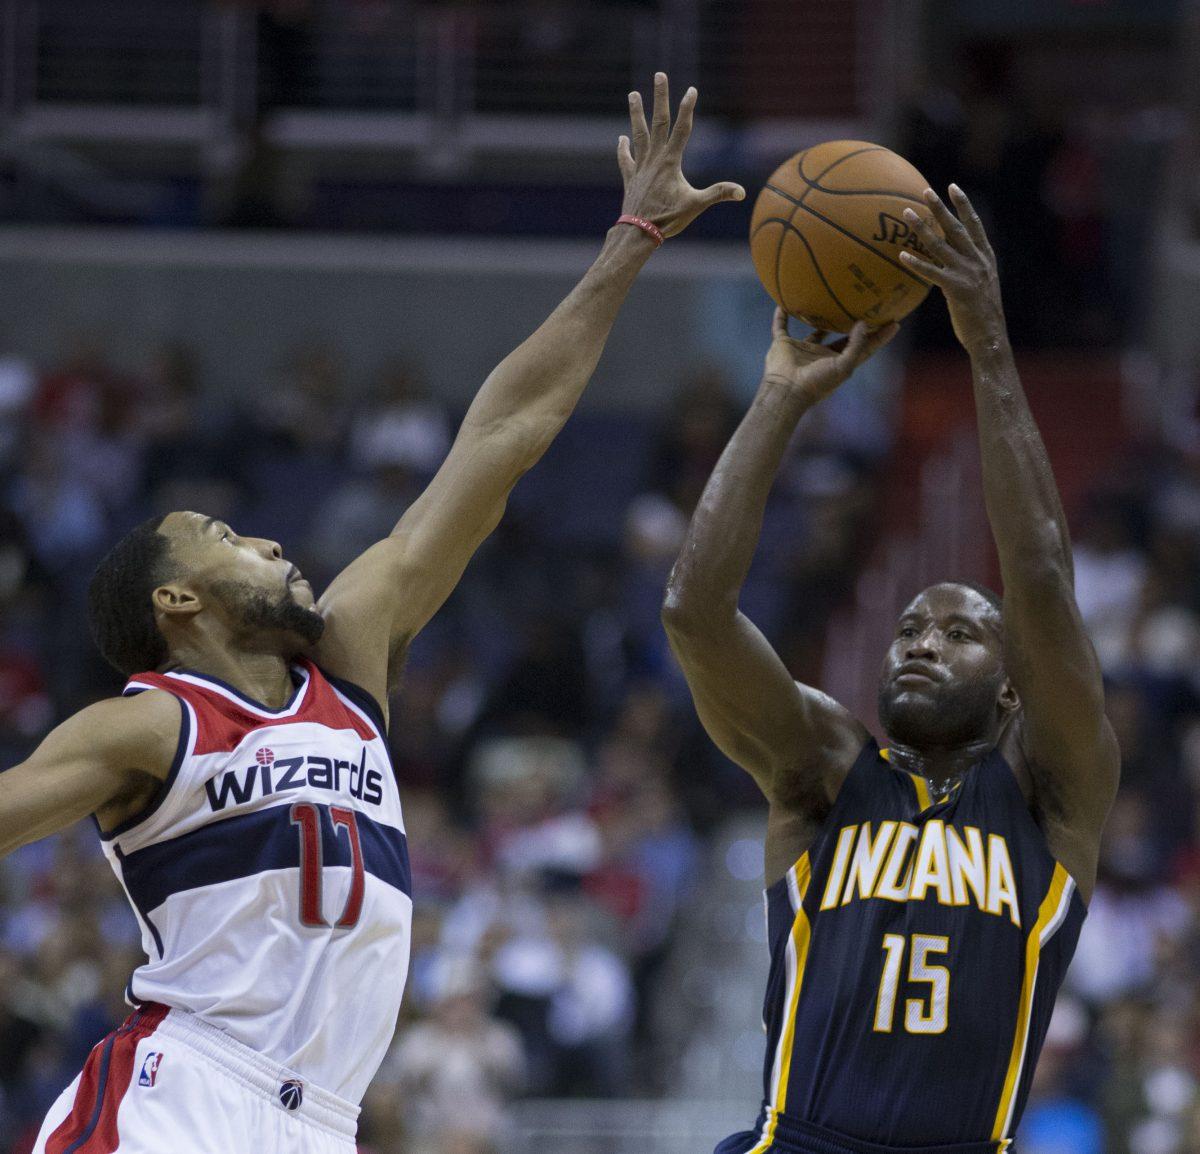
(175, 600)
(1008, 701)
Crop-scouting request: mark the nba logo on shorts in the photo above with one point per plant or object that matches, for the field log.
(149, 1069)
(291, 1094)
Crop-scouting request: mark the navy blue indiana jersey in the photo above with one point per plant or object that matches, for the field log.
(916, 951)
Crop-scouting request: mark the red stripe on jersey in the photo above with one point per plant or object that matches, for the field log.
(91, 1127)
(222, 722)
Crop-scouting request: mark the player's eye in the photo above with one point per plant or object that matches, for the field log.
(958, 635)
(907, 631)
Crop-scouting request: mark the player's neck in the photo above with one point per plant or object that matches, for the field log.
(263, 677)
(938, 764)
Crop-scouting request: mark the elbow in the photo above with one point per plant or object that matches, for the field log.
(1042, 577)
(681, 610)
(677, 616)
(686, 612)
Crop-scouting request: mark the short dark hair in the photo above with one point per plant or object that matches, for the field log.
(120, 611)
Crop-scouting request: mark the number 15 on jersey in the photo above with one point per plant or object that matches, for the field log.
(923, 1015)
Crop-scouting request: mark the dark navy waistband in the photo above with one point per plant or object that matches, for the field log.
(805, 1138)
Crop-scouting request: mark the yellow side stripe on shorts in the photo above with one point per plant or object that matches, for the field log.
(801, 934)
(1049, 911)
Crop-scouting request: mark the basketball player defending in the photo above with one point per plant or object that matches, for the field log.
(924, 899)
(242, 786)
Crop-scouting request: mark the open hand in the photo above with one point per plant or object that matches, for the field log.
(655, 187)
(816, 369)
(961, 263)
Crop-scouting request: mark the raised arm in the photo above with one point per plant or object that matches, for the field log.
(108, 759)
(795, 742)
(380, 602)
(1068, 746)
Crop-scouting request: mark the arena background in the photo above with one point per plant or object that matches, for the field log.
(256, 257)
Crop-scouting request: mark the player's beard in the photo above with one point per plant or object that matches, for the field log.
(942, 714)
(258, 611)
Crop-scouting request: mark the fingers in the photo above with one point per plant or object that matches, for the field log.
(725, 190)
(625, 161)
(923, 269)
(779, 323)
(953, 228)
(877, 338)
(661, 121)
(934, 243)
(637, 126)
(864, 342)
(970, 218)
(852, 353)
(683, 122)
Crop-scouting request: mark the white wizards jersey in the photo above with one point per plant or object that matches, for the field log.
(270, 875)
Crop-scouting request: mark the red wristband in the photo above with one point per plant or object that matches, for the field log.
(648, 227)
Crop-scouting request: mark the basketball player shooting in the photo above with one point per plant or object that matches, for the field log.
(925, 899)
(242, 786)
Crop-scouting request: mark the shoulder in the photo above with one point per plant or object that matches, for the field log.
(833, 741)
(141, 730)
(1078, 792)
(361, 698)
(1069, 804)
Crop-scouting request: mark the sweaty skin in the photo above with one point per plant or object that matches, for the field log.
(111, 758)
(1026, 680)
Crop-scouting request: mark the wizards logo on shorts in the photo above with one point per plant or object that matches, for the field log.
(291, 1094)
(150, 1069)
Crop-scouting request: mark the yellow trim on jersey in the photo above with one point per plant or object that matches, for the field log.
(924, 801)
(1050, 906)
(801, 935)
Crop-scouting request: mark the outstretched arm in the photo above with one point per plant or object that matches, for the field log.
(380, 602)
(1069, 748)
(107, 759)
(795, 742)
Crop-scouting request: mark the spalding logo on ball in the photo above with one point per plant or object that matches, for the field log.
(828, 230)
(291, 1094)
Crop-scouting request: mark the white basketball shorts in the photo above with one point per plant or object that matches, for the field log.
(166, 1081)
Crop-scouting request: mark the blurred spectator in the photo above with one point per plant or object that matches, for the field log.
(451, 1077)
(1110, 573)
(1057, 1120)
(303, 410)
(702, 418)
(396, 442)
(62, 515)
(18, 383)
(1131, 909)
(86, 410)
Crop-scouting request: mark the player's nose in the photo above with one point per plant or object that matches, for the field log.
(921, 646)
(270, 549)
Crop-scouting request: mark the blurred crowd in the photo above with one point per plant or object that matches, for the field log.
(557, 789)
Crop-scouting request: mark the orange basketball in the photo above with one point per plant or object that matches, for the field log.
(828, 230)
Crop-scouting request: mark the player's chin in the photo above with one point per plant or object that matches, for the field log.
(910, 713)
(301, 593)
(306, 624)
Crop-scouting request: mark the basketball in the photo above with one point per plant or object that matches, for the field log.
(828, 230)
